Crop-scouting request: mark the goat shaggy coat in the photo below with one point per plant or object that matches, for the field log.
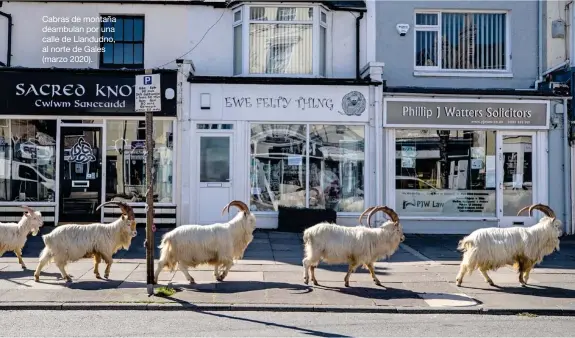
(492, 248)
(72, 242)
(13, 236)
(360, 245)
(215, 244)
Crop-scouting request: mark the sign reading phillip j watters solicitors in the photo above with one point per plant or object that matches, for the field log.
(512, 114)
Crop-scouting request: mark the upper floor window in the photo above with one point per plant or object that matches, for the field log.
(127, 48)
(280, 40)
(456, 41)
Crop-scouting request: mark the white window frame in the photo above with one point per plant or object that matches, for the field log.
(245, 21)
(437, 70)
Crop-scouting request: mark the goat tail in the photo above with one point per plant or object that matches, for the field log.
(167, 255)
(464, 244)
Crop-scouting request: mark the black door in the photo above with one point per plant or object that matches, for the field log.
(80, 174)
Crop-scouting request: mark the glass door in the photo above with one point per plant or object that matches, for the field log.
(80, 174)
(516, 177)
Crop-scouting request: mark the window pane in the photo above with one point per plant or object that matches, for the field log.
(108, 29)
(336, 169)
(445, 173)
(119, 30)
(128, 29)
(426, 48)
(138, 53)
(237, 16)
(118, 53)
(28, 160)
(214, 159)
(128, 54)
(281, 13)
(109, 53)
(281, 49)
(238, 50)
(517, 173)
(322, 50)
(126, 166)
(426, 19)
(277, 168)
(473, 41)
(138, 29)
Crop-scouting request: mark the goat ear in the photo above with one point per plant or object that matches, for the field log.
(124, 217)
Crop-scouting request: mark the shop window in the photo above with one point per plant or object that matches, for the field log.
(123, 45)
(126, 161)
(283, 154)
(280, 40)
(445, 173)
(27, 160)
(461, 41)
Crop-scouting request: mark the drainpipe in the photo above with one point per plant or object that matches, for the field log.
(357, 26)
(567, 167)
(9, 51)
(539, 43)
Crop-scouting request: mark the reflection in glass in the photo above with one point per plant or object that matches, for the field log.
(335, 154)
(445, 172)
(277, 170)
(214, 159)
(126, 161)
(517, 173)
(27, 160)
(336, 166)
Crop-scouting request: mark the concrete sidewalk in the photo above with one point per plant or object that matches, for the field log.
(418, 278)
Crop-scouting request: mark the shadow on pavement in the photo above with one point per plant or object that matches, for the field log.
(375, 292)
(529, 290)
(239, 286)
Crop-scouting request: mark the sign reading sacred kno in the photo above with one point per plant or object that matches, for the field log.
(510, 114)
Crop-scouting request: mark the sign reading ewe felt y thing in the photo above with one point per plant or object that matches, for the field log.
(508, 114)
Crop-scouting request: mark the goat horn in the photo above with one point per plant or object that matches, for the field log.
(390, 212)
(27, 208)
(523, 209)
(365, 212)
(126, 209)
(239, 204)
(543, 208)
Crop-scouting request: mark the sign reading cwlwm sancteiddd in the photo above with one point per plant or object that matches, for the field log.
(148, 93)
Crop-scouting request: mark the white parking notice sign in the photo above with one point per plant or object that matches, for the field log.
(148, 93)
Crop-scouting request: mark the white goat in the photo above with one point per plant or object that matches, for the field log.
(523, 247)
(360, 245)
(215, 244)
(13, 235)
(72, 242)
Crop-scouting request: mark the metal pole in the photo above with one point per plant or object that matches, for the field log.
(150, 200)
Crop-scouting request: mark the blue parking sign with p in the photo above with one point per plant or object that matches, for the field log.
(147, 80)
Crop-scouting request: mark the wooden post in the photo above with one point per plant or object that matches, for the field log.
(150, 199)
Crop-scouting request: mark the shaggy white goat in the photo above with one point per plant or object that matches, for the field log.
(215, 244)
(13, 235)
(360, 245)
(72, 242)
(523, 247)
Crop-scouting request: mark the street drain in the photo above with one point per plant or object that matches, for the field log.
(448, 299)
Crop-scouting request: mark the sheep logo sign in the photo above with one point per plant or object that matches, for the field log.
(353, 104)
(81, 152)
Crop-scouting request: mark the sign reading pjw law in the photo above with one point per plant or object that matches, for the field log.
(493, 114)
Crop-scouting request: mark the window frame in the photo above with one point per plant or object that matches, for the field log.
(245, 23)
(103, 65)
(367, 188)
(437, 70)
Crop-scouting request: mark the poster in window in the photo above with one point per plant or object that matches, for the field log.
(408, 151)
(477, 152)
(408, 162)
(476, 163)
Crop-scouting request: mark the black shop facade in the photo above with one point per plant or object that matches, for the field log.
(71, 139)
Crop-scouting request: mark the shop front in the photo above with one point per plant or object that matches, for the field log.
(273, 145)
(71, 140)
(457, 164)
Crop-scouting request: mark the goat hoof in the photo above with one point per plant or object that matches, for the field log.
(98, 277)
(346, 284)
(192, 281)
(315, 283)
(24, 267)
(306, 281)
(491, 283)
(37, 279)
(377, 282)
(106, 276)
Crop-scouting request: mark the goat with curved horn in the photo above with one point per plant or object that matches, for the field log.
(522, 247)
(72, 242)
(215, 244)
(361, 245)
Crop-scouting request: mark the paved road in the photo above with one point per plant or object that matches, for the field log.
(269, 324)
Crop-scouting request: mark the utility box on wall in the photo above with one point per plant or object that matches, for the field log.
(558, 29)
